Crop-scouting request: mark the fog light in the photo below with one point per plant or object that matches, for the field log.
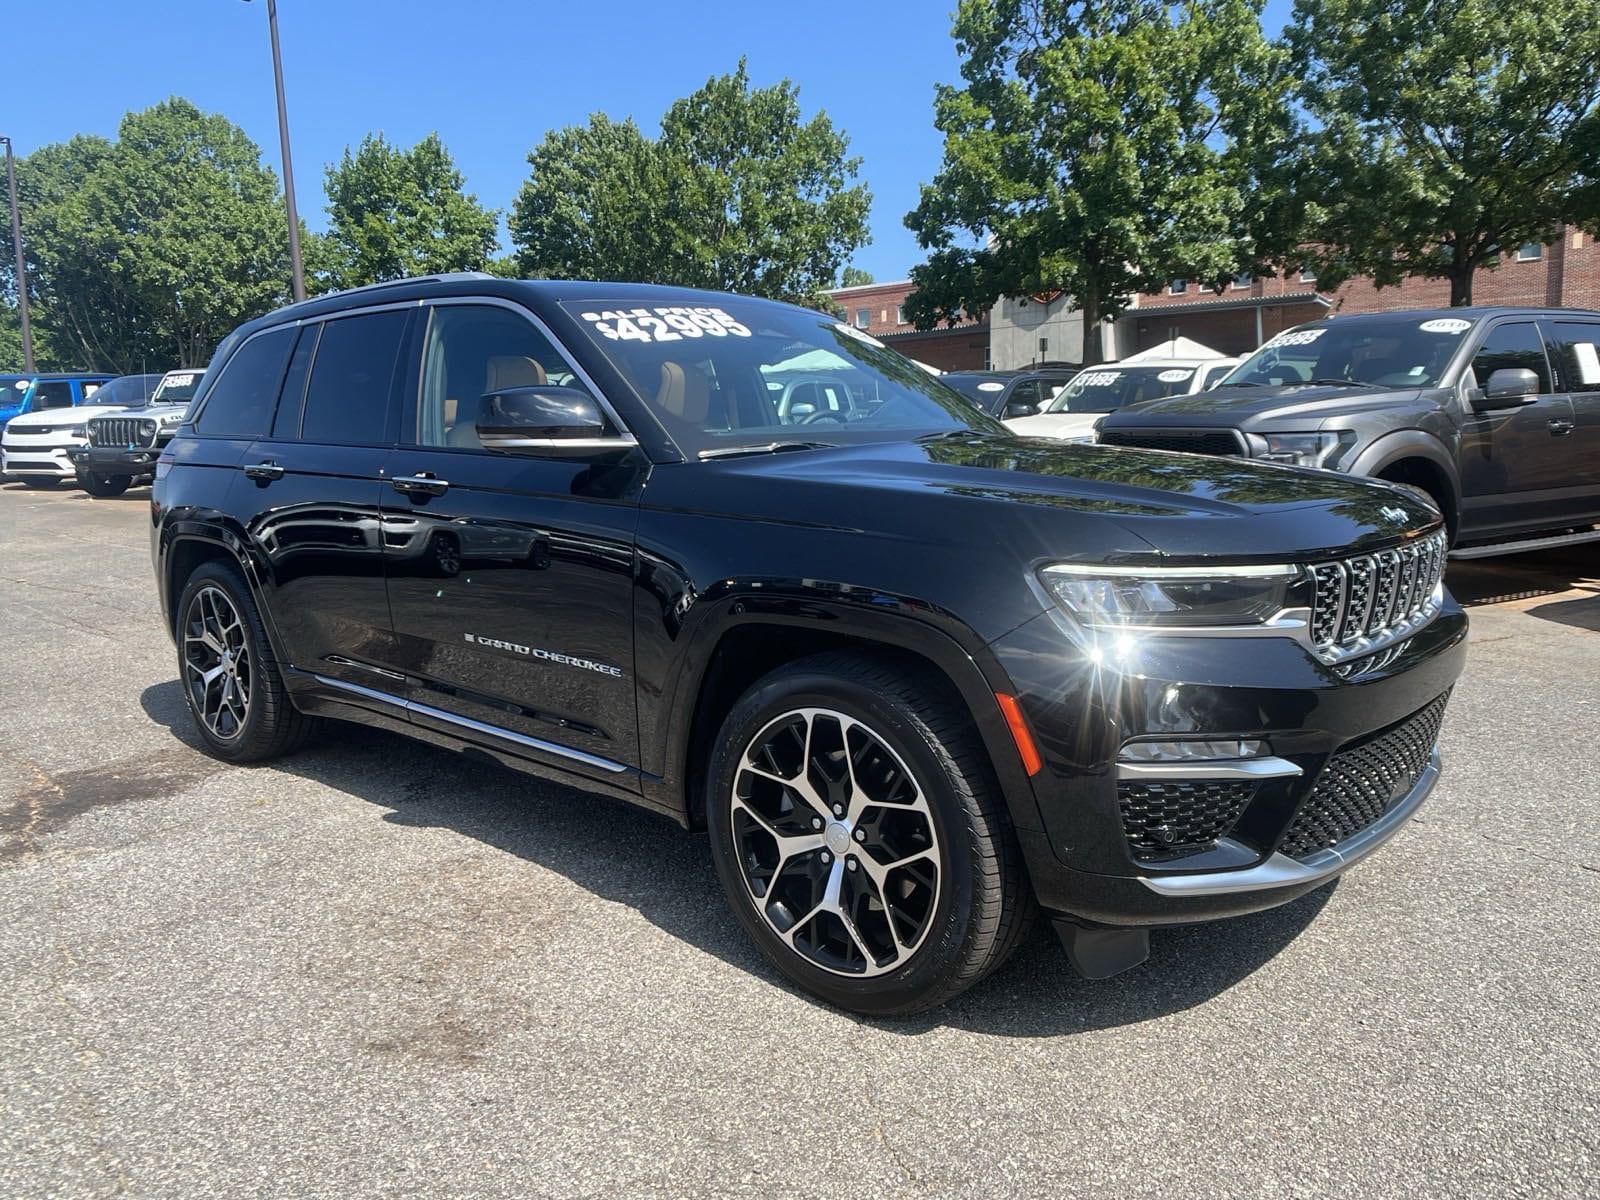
(1227, 749)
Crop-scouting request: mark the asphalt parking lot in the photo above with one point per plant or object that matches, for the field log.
(376, 968)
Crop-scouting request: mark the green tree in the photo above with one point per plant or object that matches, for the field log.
(1450, 133)
(855, 277)
(1098, 147)
(738, 193)
(147, 250)
(395, 212)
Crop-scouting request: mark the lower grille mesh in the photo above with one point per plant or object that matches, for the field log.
(1360, 783)
(1165, 820)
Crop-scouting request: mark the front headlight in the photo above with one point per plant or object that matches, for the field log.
(1299, 449)
(1172, 597)
(147, 428)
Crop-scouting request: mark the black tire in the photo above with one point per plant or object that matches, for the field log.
(271, 726)
(97, 484)
(984, 902)
(43, 482)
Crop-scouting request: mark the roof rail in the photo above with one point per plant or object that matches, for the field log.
(443, 277)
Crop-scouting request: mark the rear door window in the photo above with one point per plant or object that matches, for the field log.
(1510, 346)
(352, 380)
(240, 403)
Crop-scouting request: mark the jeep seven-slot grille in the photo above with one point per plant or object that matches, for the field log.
(1375, 597)
(118, 431)
(1168, 819)
(1361, 782)
(1199, 441)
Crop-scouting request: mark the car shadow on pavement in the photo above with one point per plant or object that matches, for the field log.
(630, 856)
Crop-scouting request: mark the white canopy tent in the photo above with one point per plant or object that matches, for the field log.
(1178, 347)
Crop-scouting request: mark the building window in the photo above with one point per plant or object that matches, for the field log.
(1530, 252)
(1308, 275)
(900, 314)
(863, 317)
(1241, 280)
(1179, 286)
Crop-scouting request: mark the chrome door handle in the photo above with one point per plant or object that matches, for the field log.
(264, 472)
(420, 485)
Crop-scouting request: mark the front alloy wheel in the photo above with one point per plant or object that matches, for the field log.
(217, 662)
(836, 842)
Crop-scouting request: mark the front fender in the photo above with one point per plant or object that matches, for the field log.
(1395, 447)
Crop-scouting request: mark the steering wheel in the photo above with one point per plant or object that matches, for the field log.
(822, 414)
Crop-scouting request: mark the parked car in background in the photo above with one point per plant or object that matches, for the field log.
(1093, 392)
(21, 394)
(37, 446)
(1493, 412)
(120, 449)
(1011, 393)
(912, 674)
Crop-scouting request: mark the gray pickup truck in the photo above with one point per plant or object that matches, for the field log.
(1493, 412)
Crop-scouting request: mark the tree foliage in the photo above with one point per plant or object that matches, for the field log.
(855, 277)
(394, 212)
(145, 251)
(1450, 133)
(1097, 147)
(738, 193)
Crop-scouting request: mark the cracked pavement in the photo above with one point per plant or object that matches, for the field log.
(376, 968)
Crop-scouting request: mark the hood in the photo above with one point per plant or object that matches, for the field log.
(970, 498)
(1055, 425)
(1247, 407)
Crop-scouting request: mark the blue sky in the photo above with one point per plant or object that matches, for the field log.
(491, 76)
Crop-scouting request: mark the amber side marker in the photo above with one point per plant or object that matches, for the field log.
(1031, 762)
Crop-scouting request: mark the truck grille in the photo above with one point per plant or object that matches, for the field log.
(1361, 782)
(1375, 598)
(117, 432)
(1196, 441)
(1165, 820)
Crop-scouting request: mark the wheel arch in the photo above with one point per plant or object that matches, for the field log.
(186, 550)
(1415, 457)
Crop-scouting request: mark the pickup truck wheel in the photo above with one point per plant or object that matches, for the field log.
(230, 679)
(857, 831)
(97, 484)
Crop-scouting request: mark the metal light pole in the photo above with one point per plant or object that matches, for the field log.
(299, 282)
(22, 270)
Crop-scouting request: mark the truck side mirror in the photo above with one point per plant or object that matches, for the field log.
(1509, 387)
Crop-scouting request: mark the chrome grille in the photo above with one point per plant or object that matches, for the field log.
(1364, 602)
(117, 431)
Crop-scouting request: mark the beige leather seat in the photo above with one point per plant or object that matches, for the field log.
(503, 371)
(685, 393)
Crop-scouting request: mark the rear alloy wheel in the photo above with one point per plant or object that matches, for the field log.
(217, 663)
(857, 831)
(98, 484)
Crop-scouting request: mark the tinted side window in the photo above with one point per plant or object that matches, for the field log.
(52, 393)
(1580, 354)
(1511, 346)
(352, 376)
(287, 424)
(240, 403)
(1026, 392)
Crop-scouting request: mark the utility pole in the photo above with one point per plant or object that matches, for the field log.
(22, 269)
(299, 282)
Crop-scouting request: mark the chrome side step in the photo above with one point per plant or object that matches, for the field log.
(1527, 544)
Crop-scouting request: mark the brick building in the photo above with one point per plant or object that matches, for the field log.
(879, 309)
(1239, 318)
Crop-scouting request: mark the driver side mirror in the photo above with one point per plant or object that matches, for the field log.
(1019, 408)
(546, 421)
(1509, 387)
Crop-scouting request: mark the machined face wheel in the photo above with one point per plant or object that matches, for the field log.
(835, 842)
(217, 663)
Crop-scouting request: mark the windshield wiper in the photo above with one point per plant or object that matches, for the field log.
(765, 448)
(1336, 383)
(950, 435)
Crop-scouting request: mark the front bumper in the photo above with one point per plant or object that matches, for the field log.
(1085, 859)
(52, 461)
(116, 460)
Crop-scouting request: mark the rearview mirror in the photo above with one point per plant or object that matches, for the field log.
(1509, 387)
(545, 420)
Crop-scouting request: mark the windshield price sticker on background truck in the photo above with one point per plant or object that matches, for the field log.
(1099, 378)
(1445, 325)
(1174, 376)
(1295, 337)
(670, 323)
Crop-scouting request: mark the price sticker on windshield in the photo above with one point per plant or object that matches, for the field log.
(668, 323)
(1174, 376)
(1295, 337)
(1445, 325)
(1091, 379)
(183, 380)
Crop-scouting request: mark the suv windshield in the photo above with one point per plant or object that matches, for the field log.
(1407, 351)
(177, 387)
(127, 391)
(1108, 388)
(749, 372)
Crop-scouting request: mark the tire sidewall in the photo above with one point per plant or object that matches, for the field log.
(940, 952)
(229, 582)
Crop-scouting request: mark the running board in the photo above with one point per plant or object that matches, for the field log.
(1527, 544)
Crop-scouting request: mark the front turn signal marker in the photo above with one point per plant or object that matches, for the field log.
(1031, 762)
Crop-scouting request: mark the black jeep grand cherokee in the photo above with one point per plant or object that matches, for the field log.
(913, 674)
